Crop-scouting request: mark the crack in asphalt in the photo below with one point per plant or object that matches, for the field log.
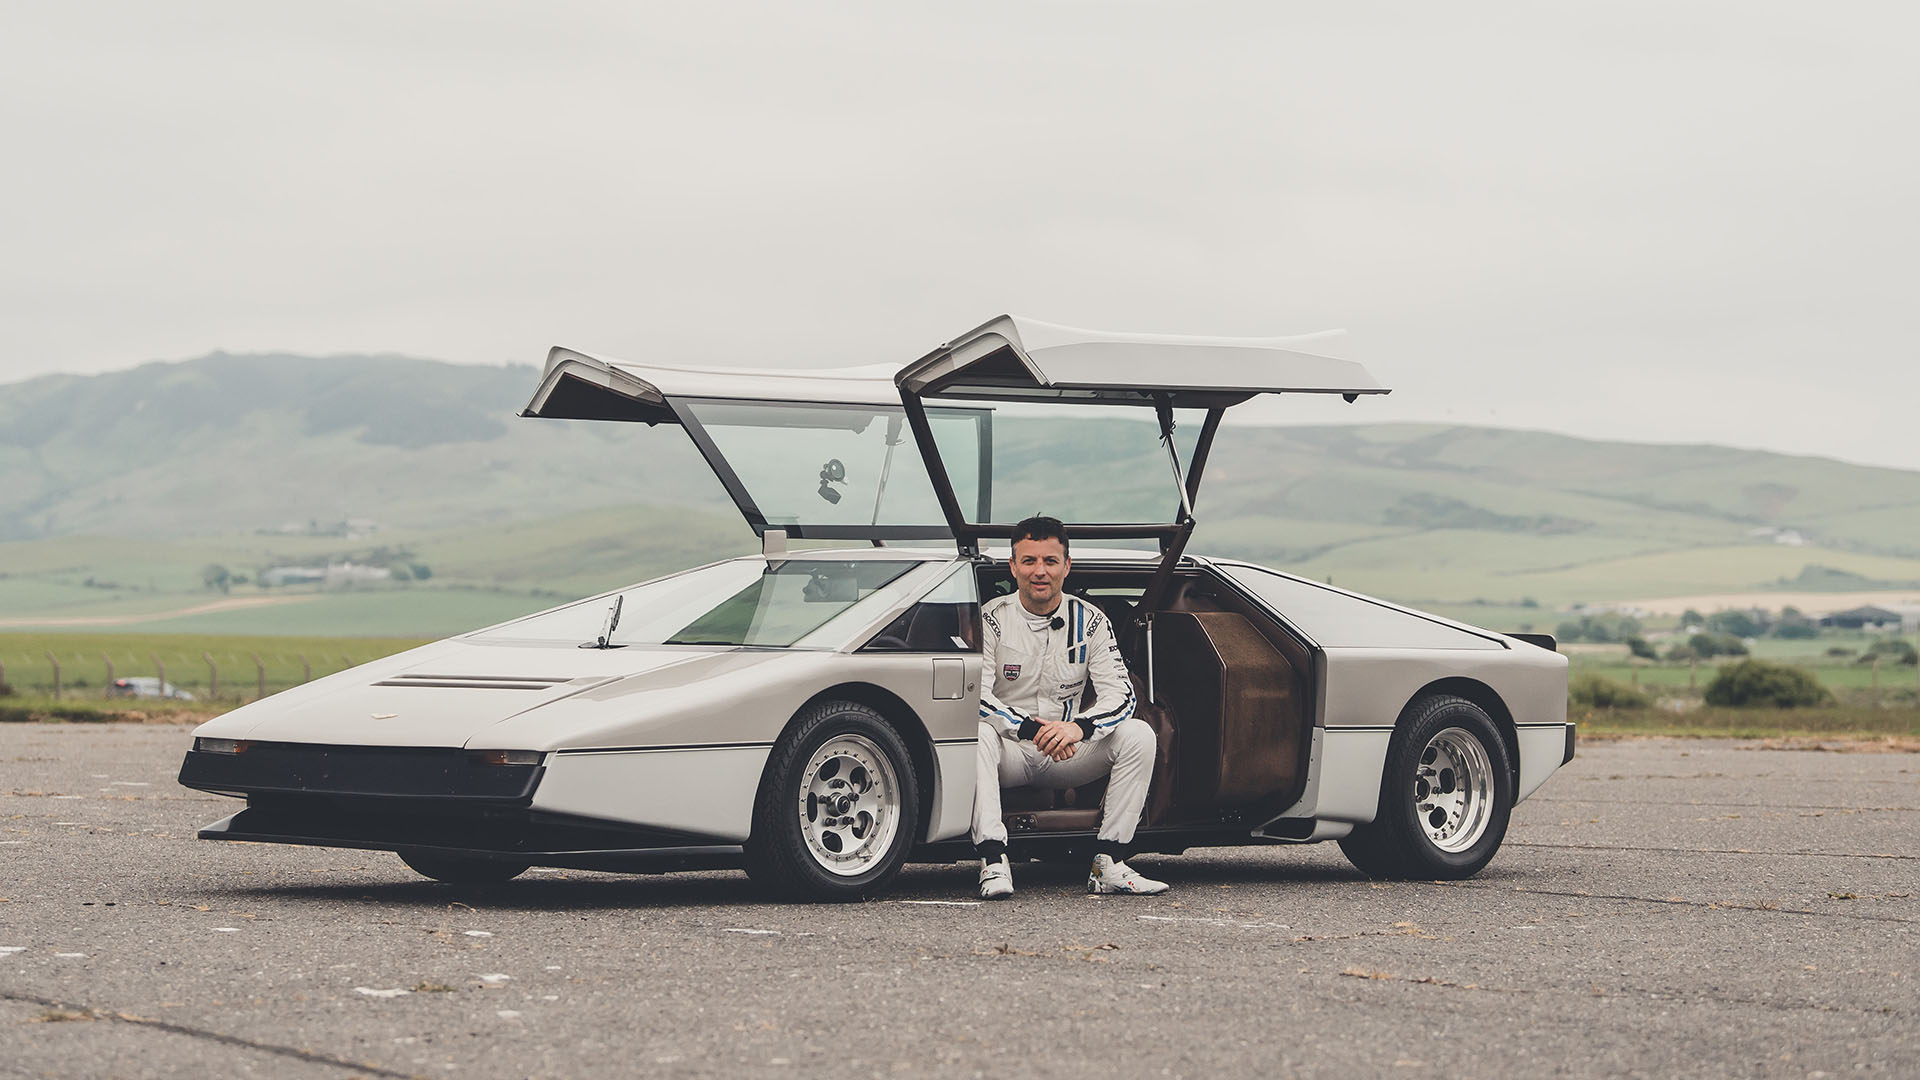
(1712, 802)
(1675, 901)
(1621, 993)
(1712, 851)
(202, 1033)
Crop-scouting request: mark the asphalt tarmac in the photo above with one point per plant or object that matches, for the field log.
(1661, 908)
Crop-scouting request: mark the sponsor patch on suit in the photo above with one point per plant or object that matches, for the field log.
(1009, 672)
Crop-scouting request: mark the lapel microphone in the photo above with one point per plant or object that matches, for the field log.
(1057, 622)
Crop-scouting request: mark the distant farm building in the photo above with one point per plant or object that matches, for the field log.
(1868, 617)
(350, 573)
(333, 574)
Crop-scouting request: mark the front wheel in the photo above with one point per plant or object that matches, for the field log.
(1445, 796)
(838, 807)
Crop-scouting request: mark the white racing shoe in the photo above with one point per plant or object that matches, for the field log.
(996, 879)
(1108, 876)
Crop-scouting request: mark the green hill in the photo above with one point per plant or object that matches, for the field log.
(120, 492)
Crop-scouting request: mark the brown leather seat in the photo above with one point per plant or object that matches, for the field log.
(1032, 809)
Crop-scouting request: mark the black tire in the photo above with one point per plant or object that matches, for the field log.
(1416, 834)
(459, 870)
(792, 851)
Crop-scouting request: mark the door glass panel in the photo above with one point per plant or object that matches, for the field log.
(844, 466)
(1080, 463)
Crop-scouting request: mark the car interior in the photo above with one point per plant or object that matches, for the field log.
(1226, 688)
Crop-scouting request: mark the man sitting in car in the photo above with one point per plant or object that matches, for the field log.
(1041, 649)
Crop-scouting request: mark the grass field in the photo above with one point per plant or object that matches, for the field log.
(1892, 711)
(84, 659)
(1837, 722)
(1851, 682)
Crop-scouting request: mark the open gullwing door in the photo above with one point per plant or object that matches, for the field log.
(813, 453)
(1057, 377)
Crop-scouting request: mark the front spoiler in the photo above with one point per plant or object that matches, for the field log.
(526, 837)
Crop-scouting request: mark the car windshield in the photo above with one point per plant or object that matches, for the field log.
(787, 601)
(739, 602)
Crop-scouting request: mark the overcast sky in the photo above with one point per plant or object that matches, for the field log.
(1668, 221)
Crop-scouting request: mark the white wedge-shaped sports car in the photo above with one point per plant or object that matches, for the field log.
(810, 713)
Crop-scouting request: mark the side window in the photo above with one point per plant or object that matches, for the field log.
(947, 619)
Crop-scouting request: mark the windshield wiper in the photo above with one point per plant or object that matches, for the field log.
(605, 641)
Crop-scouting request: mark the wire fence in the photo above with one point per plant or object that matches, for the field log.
(205, 674)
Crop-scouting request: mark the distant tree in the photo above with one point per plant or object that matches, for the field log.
(1528, 601)
(1740, 624)
(215, 576)
(239, 579)
(1842, 650)
(1794, 623)
(1891, 650)
(1691, 617)
(421, 571)
(398, 571)
(1599, 692)
(1706, 646)
(1682, 651)
(1599, 629)
(1638, 646)
(1757, 683)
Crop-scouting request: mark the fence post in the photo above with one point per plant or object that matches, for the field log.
(1876, 680)
(108, 690)
(306, 669)
(1693, 674)
(213, 676)
(3, 673)
(260, 669)
(55, 661)
(161, 670)
(1633, 668)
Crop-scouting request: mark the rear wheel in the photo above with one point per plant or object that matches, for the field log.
(1445, 796)
(838, 807)
(459, 870)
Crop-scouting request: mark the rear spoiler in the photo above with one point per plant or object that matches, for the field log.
(1545, 641)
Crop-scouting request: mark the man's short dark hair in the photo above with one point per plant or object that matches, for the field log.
(1040, 527)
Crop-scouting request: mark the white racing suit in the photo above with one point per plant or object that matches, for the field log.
(1034, 675)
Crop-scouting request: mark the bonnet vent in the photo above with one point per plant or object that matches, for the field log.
(478, 682)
